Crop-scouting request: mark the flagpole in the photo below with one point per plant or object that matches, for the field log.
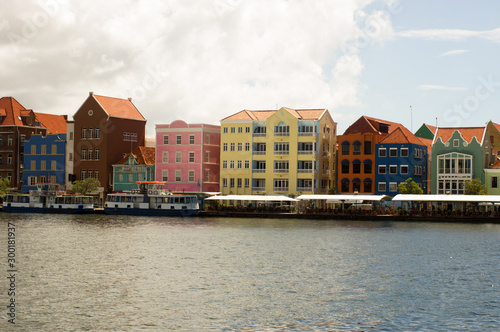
(411, 119)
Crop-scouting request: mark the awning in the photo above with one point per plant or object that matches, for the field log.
(344, 198)
(275, 198)
(448, 198)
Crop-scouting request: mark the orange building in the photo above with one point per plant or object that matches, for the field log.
(356, 154)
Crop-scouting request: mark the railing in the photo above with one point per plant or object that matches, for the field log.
(280, 188)
(326, 172)
(259, 134)
(258, 170)
(305, 188)
(259, 152)
(306, 152)
(282, 152)
(281, 134)
(258, 188)
(305, 171)
(280, 170)
(308, 134)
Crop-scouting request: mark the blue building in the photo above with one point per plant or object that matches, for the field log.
(44, 160)
(399, 156)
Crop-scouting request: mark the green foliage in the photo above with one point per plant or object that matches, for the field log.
(4, 186)
(332, 191)
(85, 186)
(475, 187)
(409, 187)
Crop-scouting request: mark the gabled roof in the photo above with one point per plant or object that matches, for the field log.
(301, 114)
(467, 133)
(431, 128)
(401, 136)
(55, 124)
(367, 124)
(143, 156)
(11, 109)
(119, 108)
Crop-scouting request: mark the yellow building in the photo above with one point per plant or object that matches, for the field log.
(285, 151)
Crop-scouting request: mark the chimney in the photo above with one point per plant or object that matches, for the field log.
(91, 93)
(130, 99)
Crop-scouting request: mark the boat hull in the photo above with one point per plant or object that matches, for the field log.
(23, 209)
(151, 212)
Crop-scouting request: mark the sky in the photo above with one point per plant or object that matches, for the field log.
(199, 61)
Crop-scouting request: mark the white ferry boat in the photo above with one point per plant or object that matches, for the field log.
(151, 200)
(47, 198)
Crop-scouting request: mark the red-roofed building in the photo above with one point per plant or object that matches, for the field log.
(139, 165)
(399, 156)
(356, 155)
(16, 124)
(459, 154)
(105, 130)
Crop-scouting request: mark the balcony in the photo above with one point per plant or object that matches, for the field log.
(282, 152)
(326, 172)
(259, 134)
(305, 188)
(280, 171)
(281, 134)
(259, 170)
(280, 188)
(306, 152)
(258, 188)
(308, 134)
(259, 152)
(305, 171)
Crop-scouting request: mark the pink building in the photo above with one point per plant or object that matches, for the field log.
(188, 156)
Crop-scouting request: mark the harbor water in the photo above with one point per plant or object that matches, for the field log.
(120, 273)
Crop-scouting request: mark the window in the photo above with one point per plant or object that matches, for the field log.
(356, 167)
(120, 177)
(177, 175)
(33, 165)
(367, 168)
(240, 146)
(381, 169)
(393, 186)
(247, 146)
(224, 181)
(247, 130)
(54, 149)
(44, 149)
(130, 177)
(382, 152)
(165, 139)
(165, 157)
(225, 132)
(90, 155)
(164, 175)
(494, 182)
(83, 174)
(345, 167)
(231, 164)
(232, 132)
(232, 146)
(1, 139)
(191, 175)
(281, 148)
(367, 187)
(382, 187)
(53, 165)
(282, 130)
(43, 165)
(368, 150)
(404, 152)
(178, 156)
(240, 130)
(96, 154)
(239, 164)
(90, 173)
(91, 135)
(32, 180)
(207, 175)
(247, 183)
(224, 164)
(84, 133)
(179, 139)
(96, 174)
(247, 164)
(70, 135)
(239, 183)
(393, 169)
(191, 139)
(224, 147)
(97, 133)
(33, 149)
(345, 148)
(456, 143)
(356, 148)
(393, 152)
(404, 169)
(191, 157)
(207, 156)
(344, 186)
(126, 137)
(280, 184)
(207, 139)
(231, 180)
(133, 137)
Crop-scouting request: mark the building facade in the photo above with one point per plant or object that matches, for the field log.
(458, 155)
(285, 151)
(105, 130)
(356, 155)
(136, 166)
(188, 156)
(44, 160)
(399, 156)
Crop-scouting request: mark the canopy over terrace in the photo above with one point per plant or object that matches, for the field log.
(448, 198)
(263, 198)
(354, 198)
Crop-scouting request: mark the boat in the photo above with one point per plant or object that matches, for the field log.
(150, 199)
(47, 198)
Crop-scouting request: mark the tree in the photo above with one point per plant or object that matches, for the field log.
(85, 186)
(4, 186)
(409, 187)
(475, 187)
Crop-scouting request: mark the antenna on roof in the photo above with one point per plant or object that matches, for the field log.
(436, 121)
(411, 119)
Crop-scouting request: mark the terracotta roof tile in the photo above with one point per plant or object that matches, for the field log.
(13, 110)
(366, 124)
(120, 108)
(143, 155)
(431, 128)
(496, 165)
(55, 124)
(467, 133)
(401, 135)
(303, 114)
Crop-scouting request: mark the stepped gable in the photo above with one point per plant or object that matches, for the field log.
(119, 108)
(468, 133)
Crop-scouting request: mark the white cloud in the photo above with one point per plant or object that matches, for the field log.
(440, 87)
(453, 52)
(198, 61)
(451, 34)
